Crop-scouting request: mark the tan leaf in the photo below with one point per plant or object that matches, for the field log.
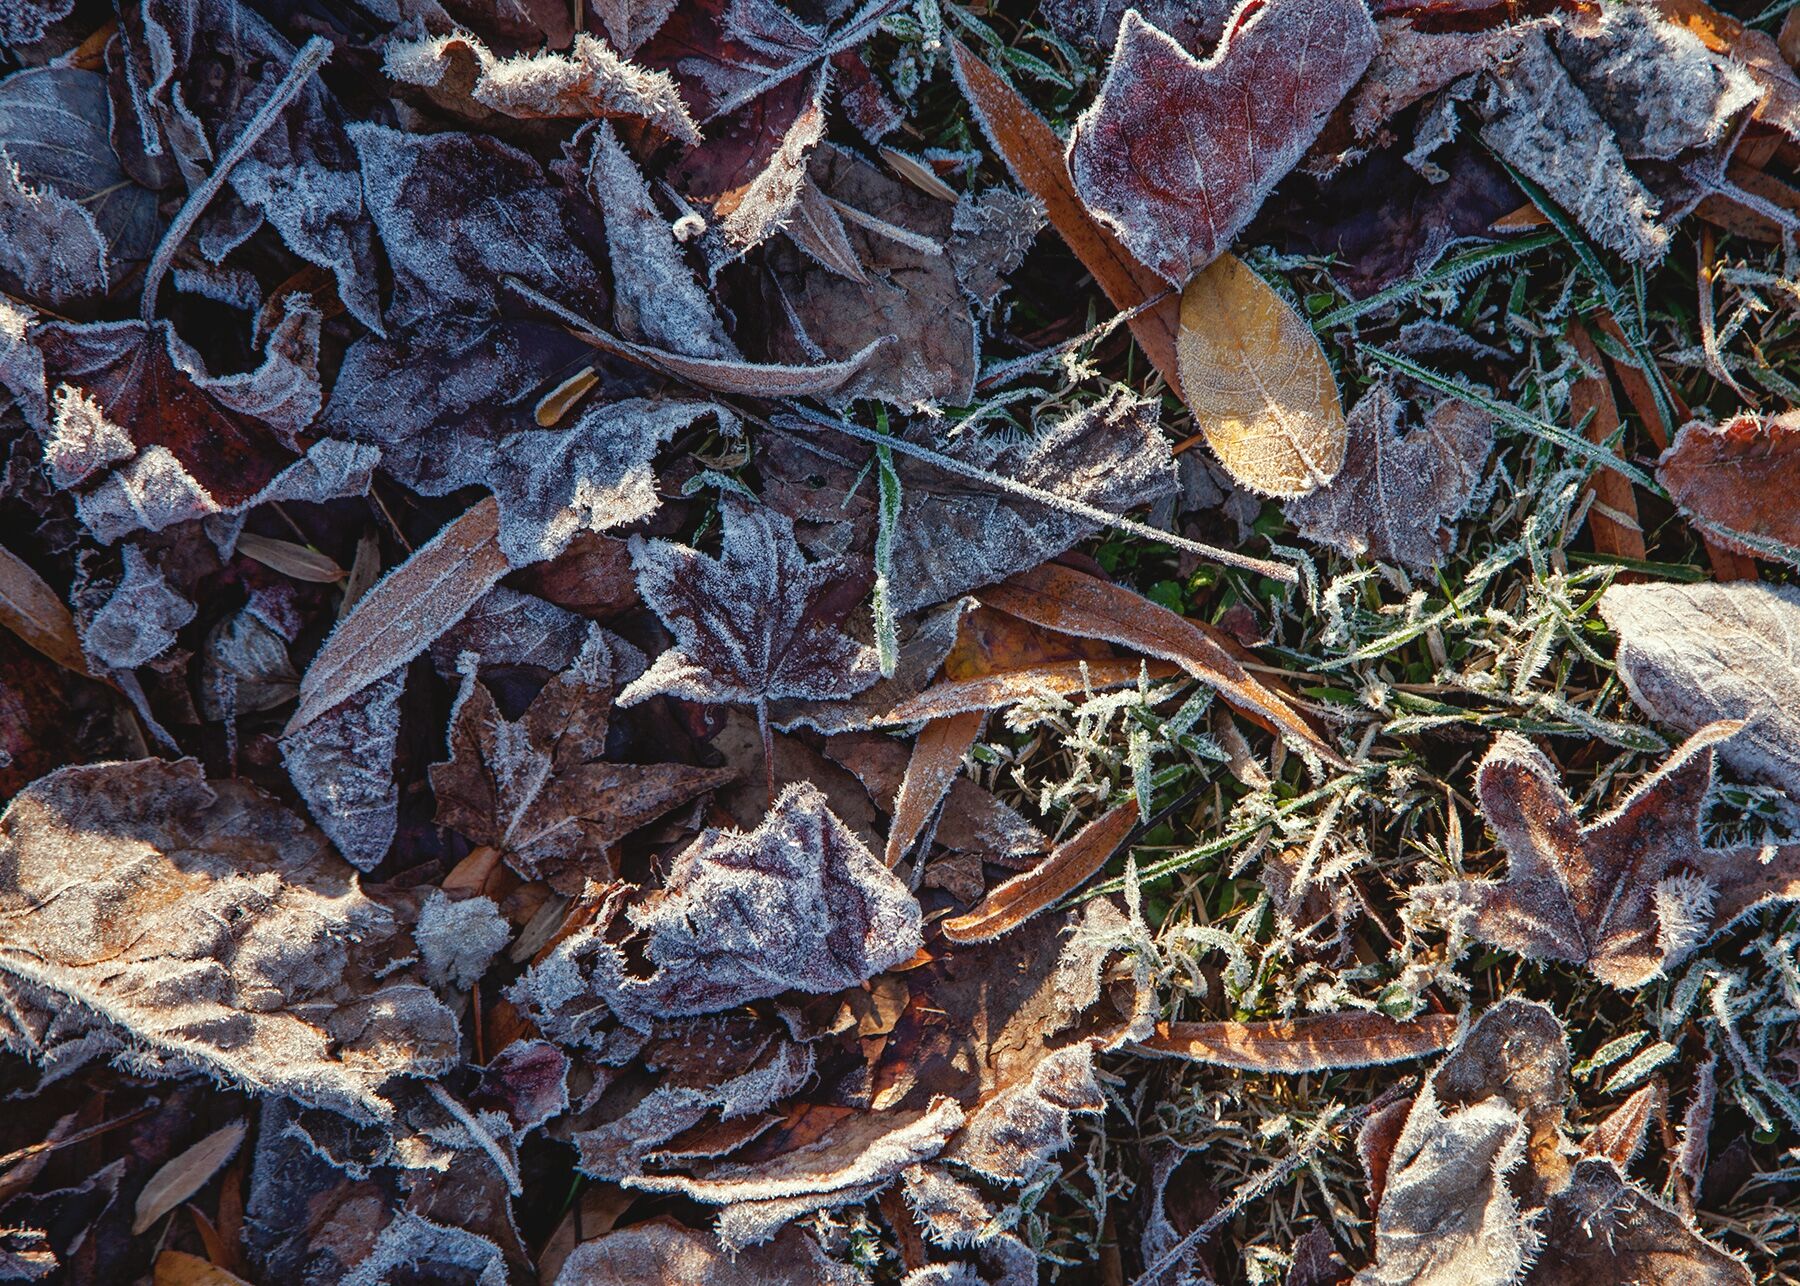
(936, 758)
(1070, 863)
(178, 1268)
(1614, 518)
(34, 611)
(296, 561)
(1061, 598)
(992, 691)
(405, 611)
(186, 1174)
(1620, 1137)
(1258, 383)
(1738, 475)
(1312, 1043)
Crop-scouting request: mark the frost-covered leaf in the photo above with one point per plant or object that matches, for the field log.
(629, 23)
(1628, 895)
(458, 939)
(952, 536)
(751, 625)
(198, 71)
(457, 213)
(205, 929)
(23, 22)
(37, 613)
(405, 612)
(1397, 498)
(661, 1250)
(137, 622)
(1739, 475)
(656, 298)
(1693, 654)
(342, 763)
(924, 641)
(589, 80)
(1177, 153)
(1095, 23)
(1066, 868)
(539, 788)
(1258, 383)
(1309, 1043)
(49, 244)
(796, 904)
(906, 286)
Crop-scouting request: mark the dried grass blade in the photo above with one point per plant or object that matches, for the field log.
(186, 1174)
(936, 758)
(992, 691)
(405, 612)
(34, 611)
(1034, 154)
(1069, 865)
(1061, 598)
(1313, 1043)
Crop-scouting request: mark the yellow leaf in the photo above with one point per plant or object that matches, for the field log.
(1258, 383)
(176, 1268)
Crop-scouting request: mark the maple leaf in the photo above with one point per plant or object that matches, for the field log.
(1177, 153)
(754, 624)
(1629, 894)
(1396, 498)
(539, 788)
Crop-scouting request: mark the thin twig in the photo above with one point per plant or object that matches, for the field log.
(311, 57)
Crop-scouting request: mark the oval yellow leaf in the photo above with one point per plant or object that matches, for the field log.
(1258, 383)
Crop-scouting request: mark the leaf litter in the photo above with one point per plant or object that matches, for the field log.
(749, 642)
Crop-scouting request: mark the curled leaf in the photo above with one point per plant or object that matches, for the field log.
(1309, 1043)
(1069, 864)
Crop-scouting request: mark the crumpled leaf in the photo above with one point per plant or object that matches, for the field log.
(49, 244)
(342, 763)
(198, 72)
(1628, 895)
(1397, 498)
(798, 903)
(589, 80)
(629, 23)
(896, 240)
(952, 536)
(204, 929)
(1177, 153)
(664, 1251)
(750, 625)
(1739, 475)
(1693, 654)
(23, 22)
(1258, 383)
(539, 788)
(458, 939)
(137, 622)
(1480, 1186)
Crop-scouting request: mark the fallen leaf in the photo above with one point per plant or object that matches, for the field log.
(404, 612)
(663, 1251)
(1177, 153)
(1061, 598)
(203, 929)
(954, 697)
(37, 614)
(630, 23)
(184, 1175)
(1627, 896)
(1694, 654)
(1739, 476)
(1069, 865)
(342, 763)
(1614, 518)
(1309, 1043)
(1258, 383)
(589, 80)
(1397, 498)
(51, 250)
(539, 789)
(935, 763)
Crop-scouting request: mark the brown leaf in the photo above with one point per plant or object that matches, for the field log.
(178, 1268)
(1614, 519)
(992, 691)
(1397, 498)
(1620, 1137)
(664, 1251)
(1068, 866)
(1177, 153)
(1739, 475)
(936, 760)
(184, 1175)
(1061, 598)
(205, 929)
(1309, 1043)
(37, 614)
(1034, 154)
(405, 611)
(1628, 895)
(1258, 383)
(539, 788)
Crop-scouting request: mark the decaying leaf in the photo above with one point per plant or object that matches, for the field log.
(1259, 385)
(589, 80)
(1396, 498)
(1177, 153)
(1628, 895)
(539, 788)
(342, 763)
(405, 611)
(186, 1174)
(34, 612)
(1069, 864)
(1738, 475)
(750, 625)
(49, 244)
(1309, 1043)
(1481, 1185)
(203, 929)
(1693, 654)
(664, 1251)
(798, 903)
(936, 760)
